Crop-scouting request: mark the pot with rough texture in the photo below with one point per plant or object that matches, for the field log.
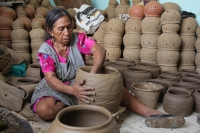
(171, 6)
(168, 58)
(187, 71)
(153, 9)
(197, 59)
(176, 97)
(131, 61)
(147, 93)
(133, 26)
(8, 12)
(136, 12)
(99, 36)
(132, 40)
(23, 17)
(197, 45)
(196, 96)
(151, 25)
(149, 55)
(182, 86)
(170, 17)
(192, 81)
(110, 10)
(103, 83)
(102, 27)
(149, 40)
(121, 66)
(187, 57)
(188, 26)
(170, 28)
(132, 53)
(85, 119)
(115, 25)
(122, 8)
(33, 71)
(198, 31)
(111, 39)
(172, 74)
(188, 42)
(113, 51)
(168, 68)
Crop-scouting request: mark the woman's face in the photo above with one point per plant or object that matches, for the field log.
(62, 30)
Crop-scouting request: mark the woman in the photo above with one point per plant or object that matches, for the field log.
(60, 56)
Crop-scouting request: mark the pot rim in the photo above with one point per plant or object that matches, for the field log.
(176, 89)
(149, 83)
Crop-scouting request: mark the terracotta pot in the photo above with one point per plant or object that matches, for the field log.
(132, 53)
(147, 93)
(187, 71)
(168, 58)
(198, 31)
(122, 8)
(153, 9)
(5, 34)
(197, 59)
(7, 43)
(30, 10)
(197, 44)
(152, 67)
(17, 24)
(151, 25)
(164, 87)
(73, 119)
(149, 55)
(192, 81)
(135, 2)
(133, 26)
(121, 66)
(26, 81)
(136, 11)
(170, 28)
(5, 23)
(132, 74)
(35, 3)
(113, 51)
(43, 10)
(112, 39)
(196, 96)
(168, 68)
(188, 26)
(8, 12)
(187, 57)
(182, 86)
(149, 40)
(171, 6)
(33, 71)
(115, 25)
(176, 97)
(170, 17)
(102, 83)
(188, 42)
(132, 40)
(172, 74)
(169, 41)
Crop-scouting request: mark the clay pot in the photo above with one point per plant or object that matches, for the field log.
(198, 69)
(198, 31)
(42, 10)
(37, 34)
(21, 46)
(115, 25)
(110, 10)
(113, 52)
(35, 45)
(187, 71)
(170, 28)
(192, 81)
(39, 16)
(168, 77)
(149, 40)
(197, 59)
(197, 44)
(188, 26)
(90, 61)
(136, 11)
(102, 27)
(112, 3)
(135, 2)
(33, 71)
(151, 25)
(122, 8)
(131, 61)
(5, 34)
(187, 57)
(27, 23)
(45, 3)
(174, 98)
(8, 12)
(35, 3)
(168, 68)
(196, 96)
(98, 36)
(73, 119)
(188, 42)
(163, 88)
(133, 26)
(132, 53)
(189, 66)
(172, 74)
(132, 40)
(30, 10)
(121, 66)
(192, 75)
(147, 93)
(132, 74)
(182, 86)
(169, 41)
(168, 58)
(149, 55)
(26, 81)
(112, 40)
(171, 6)
(6, 43)
(111, 101)
(19, 35)
(152, 67)
(170, 17)
(5, 23)
(153, 9)
(34, 56)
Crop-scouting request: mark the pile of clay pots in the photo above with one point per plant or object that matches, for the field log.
(197, 46)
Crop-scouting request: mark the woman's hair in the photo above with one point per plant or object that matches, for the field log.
(52, 17)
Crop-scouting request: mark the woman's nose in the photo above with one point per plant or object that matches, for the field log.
(66, 31)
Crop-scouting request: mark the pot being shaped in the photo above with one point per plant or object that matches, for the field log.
(152, 67)
(182, 86)
(149, 40)
(5, 23)
(170, 17)
(176, 97)
(188, 42)
(112, 40)
(115, 25)
(30, 10)
(6, 43)
(132, 74)
(198, 31)
(188, 26)
(132, 53)
(84, 119)
(187, 57)
(153, 9)
(168, 68)
(149, 55)
(170, 28)
(21, 46)
(19, 35)
(35, 45)
(43, 10)
(190, 66)
(197, 59)
(192, 81)
(187, 71)
(109, 90)
(99, 36)
(122, 8)
(197, 44)
(168, 58)
(133, 26)
(171, 6)
(196, 96)
(172, 74)
(147, 93)
(163, 88)
(136, 12)
(151, 25)
(132, 40)
(121, 66)
(8, 12)
(5, 34)
(102, 27)
(33, 71)
(37, 34)
(169, 41)
(113, 52)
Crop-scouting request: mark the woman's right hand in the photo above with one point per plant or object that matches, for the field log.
(83, 93)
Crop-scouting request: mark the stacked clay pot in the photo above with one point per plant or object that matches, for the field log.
(122, 8)
(30, 11)
(100, 33)
(47, 4)
(39, 16)
(37, 35)
(196, 96)
(135, 2)
(197, 47)
(113, 38)
(35, 3)
(20, 40)
(171, 6)
(188, 36)
(151, 29)
(110, 10)
(7, 16)
(169, 42)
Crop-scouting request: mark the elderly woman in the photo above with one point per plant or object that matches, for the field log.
(60, 57)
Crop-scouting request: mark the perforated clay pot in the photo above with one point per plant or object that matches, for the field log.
(153, 9)
(132, 53)
(151, 25)
(188, 26)
(136, 11)
(187, 57)
(170, 17)
(171, 6)
(149, 55)
(170, 28)
(132, 40)
(188, 42)
(168, 58)
(133, 26)
(116, 26)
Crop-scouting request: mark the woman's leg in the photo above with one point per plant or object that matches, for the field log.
(48, 108)
(131, 103)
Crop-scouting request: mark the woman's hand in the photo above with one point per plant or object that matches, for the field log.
(83, 93)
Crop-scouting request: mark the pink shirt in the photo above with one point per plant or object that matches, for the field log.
(84, 46)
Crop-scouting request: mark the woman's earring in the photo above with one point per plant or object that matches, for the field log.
(52, 40)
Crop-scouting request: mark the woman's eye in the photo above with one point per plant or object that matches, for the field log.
(60, 29)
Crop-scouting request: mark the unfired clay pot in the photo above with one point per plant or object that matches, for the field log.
(168, 77)
(5, 23)
(188, 26)
(151, 25)
(23, 17)
(111, 39)
(168, 58)
(39, 16)
(113, 51)
(122, 8)
(170, 28)
(174, 98)
(153, 9)
(121, 66)
(33, 71)
(110, 10)
(102, 26)
(43, 10)
(198, 69)
(98, 36)
(8, 12)
(171, 17)
(149, 55)
(147, 93)
(175, 75)
(189, 66)
(26, 81)
(168, 68)
(196, 96)
(45, 3)
(136, 12)
(192, 81)
(132, 53)
(131, 61)
(102, 84)
(85, 119)
(198, 31)
(171, 6)
(192, 75)
(188, 42)
(30, 10)
(187, 57)
(182, 86)
(197, 59)
(187, 71)
(133, 26)
(132, 40)
(115, 25)
(197, 44)
(149, 40)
